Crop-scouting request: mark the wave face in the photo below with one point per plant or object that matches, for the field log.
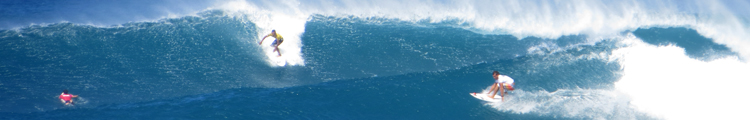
(374, 59)
(20, 13)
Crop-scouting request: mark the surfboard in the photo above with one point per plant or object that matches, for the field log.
(280, 62)
(273, 57)
(483, 96)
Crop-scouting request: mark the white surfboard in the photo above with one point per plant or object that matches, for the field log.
(274, 57)
(279, 61)
(483, 96)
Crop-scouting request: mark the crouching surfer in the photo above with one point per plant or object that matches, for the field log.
(502, 84)
(276, 42)
(67, 98)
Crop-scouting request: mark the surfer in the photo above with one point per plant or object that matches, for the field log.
(67, 98)
(276, 42)
(502, 82)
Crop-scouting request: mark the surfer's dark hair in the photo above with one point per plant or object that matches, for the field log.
(65, 91)
(495, 73)
(273, 30)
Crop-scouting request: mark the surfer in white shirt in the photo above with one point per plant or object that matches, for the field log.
(502, 82)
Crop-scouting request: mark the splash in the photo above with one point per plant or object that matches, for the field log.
(570, 103)
(665, 82)
(289, 24)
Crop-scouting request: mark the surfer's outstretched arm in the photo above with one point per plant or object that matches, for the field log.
(261, 40)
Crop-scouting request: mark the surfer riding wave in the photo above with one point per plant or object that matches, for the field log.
(502, 82)
(276, 42)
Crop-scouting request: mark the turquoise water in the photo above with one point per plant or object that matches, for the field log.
(209, 66)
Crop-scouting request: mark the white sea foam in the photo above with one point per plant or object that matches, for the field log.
(665, 82)
(657, 81)
(570, 103)
(289, 23)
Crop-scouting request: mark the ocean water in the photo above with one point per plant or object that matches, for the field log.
(381, 59)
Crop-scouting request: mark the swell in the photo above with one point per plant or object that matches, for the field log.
(195, 55)
(354, 47)
(152, 60)
(435, 94)
(199, 54)
(19, 13)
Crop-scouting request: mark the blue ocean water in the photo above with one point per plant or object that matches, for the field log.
(207, 65)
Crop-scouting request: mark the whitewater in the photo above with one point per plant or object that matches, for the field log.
(585, 59)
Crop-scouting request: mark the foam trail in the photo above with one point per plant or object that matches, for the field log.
(665, 82)
(576, 103)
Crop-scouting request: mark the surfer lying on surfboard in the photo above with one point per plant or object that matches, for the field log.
(276, 42)
(502, 82)
(67, 98)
